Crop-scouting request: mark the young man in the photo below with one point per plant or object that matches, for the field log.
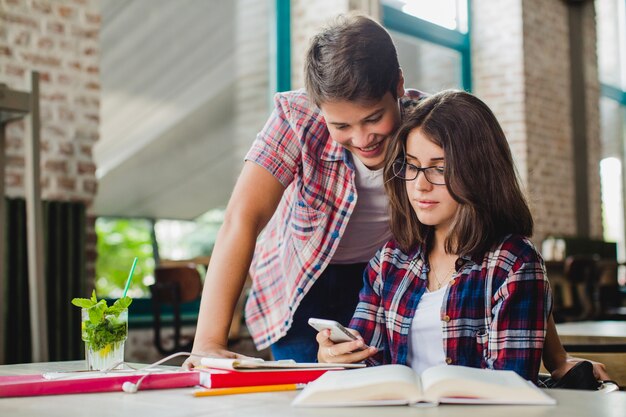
(312, 182)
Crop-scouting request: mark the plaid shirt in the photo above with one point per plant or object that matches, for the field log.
(493, 316)
(302, 236)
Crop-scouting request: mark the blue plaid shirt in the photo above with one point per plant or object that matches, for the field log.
(493, 316)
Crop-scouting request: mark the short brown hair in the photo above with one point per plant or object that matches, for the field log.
(352, 59)
(479, 174)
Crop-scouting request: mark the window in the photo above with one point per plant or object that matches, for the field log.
(433, 42)
(611, 38)
(178, 239)
(119, 242)
(185, 89)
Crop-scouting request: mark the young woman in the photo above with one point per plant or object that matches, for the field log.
(460, 283)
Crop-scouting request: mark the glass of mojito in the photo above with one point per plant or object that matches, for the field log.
(104, 330)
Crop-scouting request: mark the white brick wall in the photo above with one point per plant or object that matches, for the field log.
(521, 68)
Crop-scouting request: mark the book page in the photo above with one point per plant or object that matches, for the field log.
(460, 384)
(378, 385)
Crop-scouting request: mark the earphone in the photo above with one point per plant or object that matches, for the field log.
(131, 388)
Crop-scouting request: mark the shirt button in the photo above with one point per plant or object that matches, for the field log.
(448, 360)
(446, 318)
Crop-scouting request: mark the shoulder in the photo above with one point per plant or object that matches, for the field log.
(521, 247)
(512, 253)
(411, 99)
(392, 257)
(297, 104)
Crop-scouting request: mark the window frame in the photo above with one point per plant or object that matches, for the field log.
(399, 21)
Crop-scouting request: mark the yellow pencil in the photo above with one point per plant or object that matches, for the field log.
(246, 390)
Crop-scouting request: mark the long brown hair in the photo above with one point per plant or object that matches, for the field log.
(353, 59)
(479, 174)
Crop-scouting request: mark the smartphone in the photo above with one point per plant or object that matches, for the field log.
(338, 333)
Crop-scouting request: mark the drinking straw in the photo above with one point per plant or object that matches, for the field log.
(130, 277)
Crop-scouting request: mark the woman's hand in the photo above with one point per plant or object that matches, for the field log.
(346, 352)
(599, 370)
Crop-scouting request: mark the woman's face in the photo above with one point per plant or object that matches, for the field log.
(433, 204)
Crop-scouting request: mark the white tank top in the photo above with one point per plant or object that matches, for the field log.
(426, 338)
(368, 227)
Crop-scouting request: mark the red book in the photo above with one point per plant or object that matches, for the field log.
(32, 385)
(220, 378)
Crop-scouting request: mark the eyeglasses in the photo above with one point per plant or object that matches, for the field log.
(409, 172)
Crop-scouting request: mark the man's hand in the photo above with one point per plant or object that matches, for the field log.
(211, 351)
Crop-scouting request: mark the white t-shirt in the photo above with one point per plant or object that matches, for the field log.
(368, 227)
(426, 335)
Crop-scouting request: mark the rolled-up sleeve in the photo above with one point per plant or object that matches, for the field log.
(277, 147)
(369, 315)
(521, 306)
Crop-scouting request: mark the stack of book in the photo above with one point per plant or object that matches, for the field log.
(215, 373)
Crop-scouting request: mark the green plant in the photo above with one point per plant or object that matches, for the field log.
(103, 326)
(119, 242)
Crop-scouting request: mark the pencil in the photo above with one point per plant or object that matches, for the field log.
(246, 390)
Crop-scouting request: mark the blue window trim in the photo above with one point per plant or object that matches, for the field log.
(613, 93)
(399, 21)
(283, 45)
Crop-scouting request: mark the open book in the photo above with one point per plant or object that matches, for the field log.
(399, 385)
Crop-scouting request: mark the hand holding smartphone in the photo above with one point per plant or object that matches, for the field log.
(338, 333)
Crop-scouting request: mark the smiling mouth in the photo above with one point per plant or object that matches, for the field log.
(372, 147)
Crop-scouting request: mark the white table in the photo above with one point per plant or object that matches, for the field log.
(179, 402)
(592, 332)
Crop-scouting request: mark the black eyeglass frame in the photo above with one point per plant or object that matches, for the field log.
(425, 170)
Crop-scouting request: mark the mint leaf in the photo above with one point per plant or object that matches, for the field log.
(123, 302)
(104, 326)
(83, 302)
(96, 313)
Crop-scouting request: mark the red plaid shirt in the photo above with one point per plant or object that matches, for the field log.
(302, 236)
(493, 316)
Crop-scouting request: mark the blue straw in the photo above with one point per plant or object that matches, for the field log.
(130, 277)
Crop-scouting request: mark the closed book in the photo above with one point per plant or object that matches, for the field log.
(221, 378)
(90, 382)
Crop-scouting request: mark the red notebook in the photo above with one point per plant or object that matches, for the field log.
(219, 378)
(32, 385)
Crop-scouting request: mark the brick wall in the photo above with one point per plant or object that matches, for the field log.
(58, 38)
(548, 116)
(525, 78)
(594, 139)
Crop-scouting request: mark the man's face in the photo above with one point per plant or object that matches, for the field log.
(364, 130)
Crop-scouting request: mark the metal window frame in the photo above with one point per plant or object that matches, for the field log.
(404, 23)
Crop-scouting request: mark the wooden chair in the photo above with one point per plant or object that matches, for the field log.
(610, 297)
(174, 285)
(581, 276)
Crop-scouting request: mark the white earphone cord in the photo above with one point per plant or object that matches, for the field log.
(132, 388)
